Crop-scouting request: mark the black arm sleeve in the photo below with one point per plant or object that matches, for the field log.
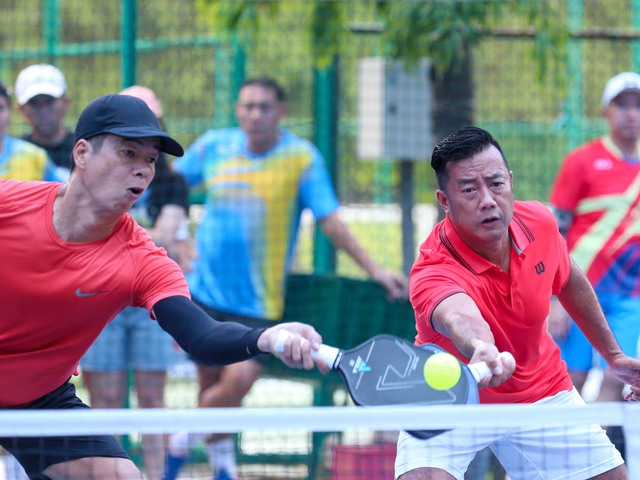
(205, 339)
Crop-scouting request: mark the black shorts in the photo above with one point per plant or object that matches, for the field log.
(37, 453)
(251, 322)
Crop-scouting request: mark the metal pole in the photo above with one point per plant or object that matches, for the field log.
(326, 131)
(128, 38)
(635, 43)
(406, 205)
(575, 100)
(51, 28)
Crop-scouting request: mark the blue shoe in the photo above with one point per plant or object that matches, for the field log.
(222, 474)
(172, 467)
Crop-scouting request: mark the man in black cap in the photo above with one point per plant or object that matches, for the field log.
(75, 259)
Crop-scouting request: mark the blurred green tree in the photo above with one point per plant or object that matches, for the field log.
(443, 30)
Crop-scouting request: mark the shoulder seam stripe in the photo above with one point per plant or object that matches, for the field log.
(523, 227)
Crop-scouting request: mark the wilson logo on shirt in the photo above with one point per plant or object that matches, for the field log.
(539, 268)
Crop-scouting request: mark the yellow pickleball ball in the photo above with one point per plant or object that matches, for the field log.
(442, 371)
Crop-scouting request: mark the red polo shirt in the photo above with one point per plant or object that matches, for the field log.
(515, 305)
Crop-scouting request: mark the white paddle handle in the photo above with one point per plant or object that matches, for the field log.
(328, 354)
(481, 370)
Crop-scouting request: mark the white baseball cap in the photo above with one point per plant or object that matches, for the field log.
(620, 83)
(40, 79)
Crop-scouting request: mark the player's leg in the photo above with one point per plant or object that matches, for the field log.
(94, 468)
(72, 458)
(426, 474)
(104, 366)
(234, 382)
(76, 457)
(443, 457)
(106, 389)
(150, 390)
(581, 451)
(151, 352)
(180, 444)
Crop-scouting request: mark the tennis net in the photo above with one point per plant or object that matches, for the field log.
(340, 443)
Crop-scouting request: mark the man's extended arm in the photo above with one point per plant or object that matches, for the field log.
(213, 342)
(458, 318)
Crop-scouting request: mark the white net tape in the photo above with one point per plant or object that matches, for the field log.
(323, 419)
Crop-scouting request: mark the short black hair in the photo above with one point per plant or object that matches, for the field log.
(461, 145)
(266, 82)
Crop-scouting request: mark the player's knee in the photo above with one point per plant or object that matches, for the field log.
(426, 474)
(151, 399)
(94, 468)
(618, 473)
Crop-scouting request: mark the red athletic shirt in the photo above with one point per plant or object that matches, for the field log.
(514, 305)
(602, 190)
(56, 297)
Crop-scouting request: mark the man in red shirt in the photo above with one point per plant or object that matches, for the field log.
(595, 198)
(74, 258)
(481, 285)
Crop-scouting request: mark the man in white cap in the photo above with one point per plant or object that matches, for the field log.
(595, 199)
(41, 93)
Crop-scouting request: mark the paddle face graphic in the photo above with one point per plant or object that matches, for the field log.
(386, 370)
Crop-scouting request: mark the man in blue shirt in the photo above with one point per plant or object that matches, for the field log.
(258, 179)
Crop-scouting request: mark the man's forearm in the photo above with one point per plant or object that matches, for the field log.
(342, 238)
(458, 318)
(205, 339)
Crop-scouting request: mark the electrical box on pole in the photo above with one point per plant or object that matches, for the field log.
(394, 110)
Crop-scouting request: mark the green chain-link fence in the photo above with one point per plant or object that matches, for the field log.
(171, 46)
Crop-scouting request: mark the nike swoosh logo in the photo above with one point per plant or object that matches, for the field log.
(80, 293)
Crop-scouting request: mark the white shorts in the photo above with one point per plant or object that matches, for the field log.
(571, 452)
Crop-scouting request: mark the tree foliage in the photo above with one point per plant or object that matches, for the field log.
(410, 29)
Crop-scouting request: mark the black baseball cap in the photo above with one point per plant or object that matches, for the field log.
(125, 116)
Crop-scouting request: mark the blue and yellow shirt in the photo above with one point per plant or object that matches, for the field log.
(254, 203)
(21, 160)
